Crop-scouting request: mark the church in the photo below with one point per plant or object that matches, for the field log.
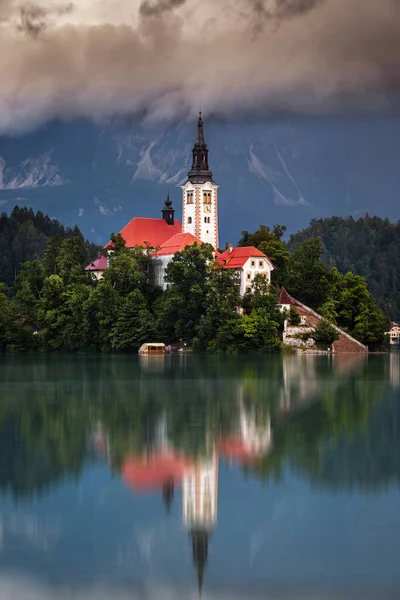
(199, 225)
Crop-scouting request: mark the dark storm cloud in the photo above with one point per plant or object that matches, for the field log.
(163, 58)
(151, 9)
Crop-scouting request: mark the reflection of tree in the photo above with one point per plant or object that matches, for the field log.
(333, 421)
(332, 440)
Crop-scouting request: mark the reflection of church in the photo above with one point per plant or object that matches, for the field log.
(161, 468)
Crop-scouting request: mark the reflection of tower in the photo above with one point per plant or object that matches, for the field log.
(168, 490)
(199, 508)
(299, 382)
(256, 436)
(200, 553)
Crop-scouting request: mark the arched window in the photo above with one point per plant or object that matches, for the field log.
(190, 197)
(207, 197)
(189, 220)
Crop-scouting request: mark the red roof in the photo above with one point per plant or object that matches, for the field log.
(97, 265)
(235, 258)
(148, 232)
(284, 297)
(151, 473)
(234, 449)
(177, 243)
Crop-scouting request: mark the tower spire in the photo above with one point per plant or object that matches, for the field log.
(200, 554)
(200, 172)
(168, 212)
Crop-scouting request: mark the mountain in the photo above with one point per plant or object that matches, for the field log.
(286, 170)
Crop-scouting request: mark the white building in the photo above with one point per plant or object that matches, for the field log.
(394, 334)
(247, 261)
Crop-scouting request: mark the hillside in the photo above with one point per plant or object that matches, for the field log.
(24, 236)
(369, 246)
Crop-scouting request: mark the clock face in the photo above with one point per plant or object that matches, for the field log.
(207, 208)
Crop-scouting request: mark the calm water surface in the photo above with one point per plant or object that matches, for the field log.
(169, 477)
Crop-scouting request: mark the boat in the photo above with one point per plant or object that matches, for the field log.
(152, 348)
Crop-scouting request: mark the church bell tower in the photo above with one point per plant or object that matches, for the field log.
(200, 195)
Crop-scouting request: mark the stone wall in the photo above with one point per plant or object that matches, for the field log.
(291, 336)
(344, 344)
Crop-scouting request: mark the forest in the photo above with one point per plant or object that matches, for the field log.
(53, 304)
(24, 236)
(369, 247)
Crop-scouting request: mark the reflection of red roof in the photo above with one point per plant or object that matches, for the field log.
(152, 472)
(234, 449)
(235, 258)
(100, 264)
(177, 243)
(148, 232)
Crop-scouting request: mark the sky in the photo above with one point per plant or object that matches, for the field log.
(164, 59)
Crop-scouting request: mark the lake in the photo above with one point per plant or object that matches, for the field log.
(174, 477)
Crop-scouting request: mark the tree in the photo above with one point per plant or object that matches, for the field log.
(307, 277)
(263, 234)
(50, 257)
(134, 325)
(187, 275)
(130, 269)
(218, 328)
(71, 260)
(325, 334)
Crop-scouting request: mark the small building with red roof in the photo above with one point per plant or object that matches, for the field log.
(98, 266)
(247, 261)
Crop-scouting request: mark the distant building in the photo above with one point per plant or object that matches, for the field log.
(394, 334)
(98, 266)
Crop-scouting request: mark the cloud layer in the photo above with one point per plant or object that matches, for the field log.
(162, 59)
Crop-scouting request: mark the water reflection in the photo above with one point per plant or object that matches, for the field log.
(165, 426)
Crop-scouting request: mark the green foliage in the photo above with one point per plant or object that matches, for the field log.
(28, 236)
(307, 278)
(53, 304)
(325, 334)
(369, 247)
(294, 317)
(218, 329)
(134, 325)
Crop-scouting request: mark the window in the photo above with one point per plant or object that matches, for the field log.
(207, 197)
(248, 289)
(207, 231)
(248, 275)
(189, 197)
(260, 264)
(206, 219)
(189, 220)
(253, 263)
